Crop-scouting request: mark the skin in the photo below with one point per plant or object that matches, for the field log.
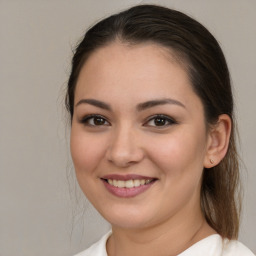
(165, 219)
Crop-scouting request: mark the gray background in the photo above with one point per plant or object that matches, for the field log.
(40, 212)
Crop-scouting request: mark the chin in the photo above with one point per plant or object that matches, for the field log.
(126, 218)
(128, 223)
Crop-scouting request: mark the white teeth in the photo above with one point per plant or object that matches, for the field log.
(142, 182)
(115, 183)
(128, 183)
(137, 183)
(120, 183)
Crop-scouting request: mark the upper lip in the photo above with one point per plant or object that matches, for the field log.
(126, 177)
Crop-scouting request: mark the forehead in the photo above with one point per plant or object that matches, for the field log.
(140, 71)
(147, 63)
(127, 75)
(141, 51)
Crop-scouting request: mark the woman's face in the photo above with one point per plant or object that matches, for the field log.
(138, 137)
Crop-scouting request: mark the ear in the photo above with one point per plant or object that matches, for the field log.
(218, 141)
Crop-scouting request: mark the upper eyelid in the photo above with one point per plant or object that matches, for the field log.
(161, 116)
(87, 117)
(168, 118)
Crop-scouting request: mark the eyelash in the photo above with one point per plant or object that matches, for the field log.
(164, 118)
(86, 120)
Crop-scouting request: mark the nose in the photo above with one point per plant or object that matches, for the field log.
(124, 149)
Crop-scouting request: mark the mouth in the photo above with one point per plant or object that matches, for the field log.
(128, 183)
(127, 186)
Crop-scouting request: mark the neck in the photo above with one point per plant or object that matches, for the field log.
(166, 239)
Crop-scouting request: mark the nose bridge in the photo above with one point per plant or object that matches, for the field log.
(124, 148)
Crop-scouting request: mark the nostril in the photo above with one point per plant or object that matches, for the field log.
(124, 157)
(124, 149)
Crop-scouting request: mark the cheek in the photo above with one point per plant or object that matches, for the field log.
(179, 159)
(179, 152)
(85, 151)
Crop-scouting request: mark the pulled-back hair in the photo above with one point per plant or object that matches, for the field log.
(200, 54)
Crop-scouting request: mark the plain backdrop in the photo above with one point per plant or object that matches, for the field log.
(39, 212)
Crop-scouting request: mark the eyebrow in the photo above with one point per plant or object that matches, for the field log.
(139, 107)
(153, 103)
(95, 103)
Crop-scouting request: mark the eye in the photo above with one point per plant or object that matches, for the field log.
(95, 120)
(160, 121)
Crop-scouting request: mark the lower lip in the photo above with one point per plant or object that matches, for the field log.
(127, 192)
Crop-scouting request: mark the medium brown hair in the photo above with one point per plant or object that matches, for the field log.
(200, 53)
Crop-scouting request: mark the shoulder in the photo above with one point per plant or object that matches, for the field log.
(99, 248)
(215, 245)
(235, 248)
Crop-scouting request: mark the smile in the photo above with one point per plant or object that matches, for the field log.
(128, 183)
(127, 186)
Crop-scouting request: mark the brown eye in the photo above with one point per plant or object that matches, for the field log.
(98, 121)
(160, 121)
(95, 120)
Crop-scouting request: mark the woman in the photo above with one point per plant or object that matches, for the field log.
(152, 137)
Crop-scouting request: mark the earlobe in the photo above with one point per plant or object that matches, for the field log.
(218, 141)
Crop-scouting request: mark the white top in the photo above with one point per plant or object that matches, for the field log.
(212, 245)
